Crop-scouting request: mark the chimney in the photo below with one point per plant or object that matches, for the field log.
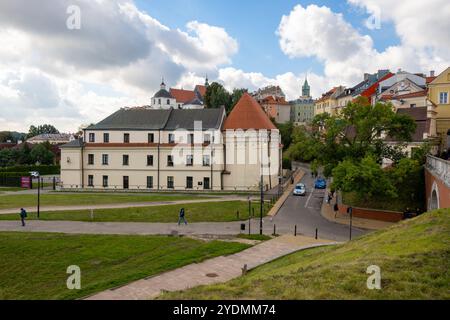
(432, 73)
(366, 76)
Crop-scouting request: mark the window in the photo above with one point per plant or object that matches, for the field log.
(170, 183)
(149, 160)
(106, 138)
(159, 101)
(206, 162)
(443, 97)
(126, 138)
(105, 181)
(207, 138)
(190, 138)
(168, 101)
(91, 137)
(90, 159)
(171, 138)
(189, 160)
(90, 180)
(151, 138)
(189, 182)
(412, 105)
(105, 159)
(170, 161)
(149, 182)
(126, 160)
(126, 182)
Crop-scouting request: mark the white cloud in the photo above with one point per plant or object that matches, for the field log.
(346, 54)
(49, 73)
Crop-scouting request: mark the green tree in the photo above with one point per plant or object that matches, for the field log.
(366, 178)
(41, 154)
(286, 130)
(235, 97)
(46, 128)
(217, 96)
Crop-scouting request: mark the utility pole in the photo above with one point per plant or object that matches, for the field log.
(261, 207)
(39, 196)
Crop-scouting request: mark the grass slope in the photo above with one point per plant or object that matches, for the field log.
(414, 257)
(60, 199)
(33, 265)
(195, 212)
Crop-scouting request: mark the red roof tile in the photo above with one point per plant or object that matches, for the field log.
(248, 114)
(412, 95)
(201, 89)
(182, 96)
(370, 91)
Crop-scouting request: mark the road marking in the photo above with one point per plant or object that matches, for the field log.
(309, 198)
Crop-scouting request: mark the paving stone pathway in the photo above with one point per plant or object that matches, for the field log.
(216, 270)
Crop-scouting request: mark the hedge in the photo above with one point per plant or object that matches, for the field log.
(10, 179)
(25, 170)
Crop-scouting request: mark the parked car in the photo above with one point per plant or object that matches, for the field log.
(320, 183)
(299, 190)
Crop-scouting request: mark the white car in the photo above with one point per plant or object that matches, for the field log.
(299, 190)
(34, 174)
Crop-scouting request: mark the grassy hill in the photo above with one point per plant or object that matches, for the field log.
(414, 257)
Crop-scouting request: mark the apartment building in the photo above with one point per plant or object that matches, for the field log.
(175, 149)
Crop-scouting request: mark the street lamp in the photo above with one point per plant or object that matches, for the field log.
(350, 210)
(36, 174)
(249, 215)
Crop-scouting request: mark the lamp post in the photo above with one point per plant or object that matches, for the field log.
(261, 208)
(249, 215)
(350, 209)
(36, 174)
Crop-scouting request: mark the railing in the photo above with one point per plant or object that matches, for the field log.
(439, 168)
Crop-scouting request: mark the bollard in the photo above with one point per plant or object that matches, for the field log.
(295, 231)
(316, 233)
(274, 229)
(54, 183)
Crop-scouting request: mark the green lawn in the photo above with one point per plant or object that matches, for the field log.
(59, 199)
(414, 257)
(3, 189)
(33, 265)
(195, 212)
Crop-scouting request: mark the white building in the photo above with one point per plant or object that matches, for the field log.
(173, 149)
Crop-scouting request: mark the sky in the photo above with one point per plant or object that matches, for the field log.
(73, 62)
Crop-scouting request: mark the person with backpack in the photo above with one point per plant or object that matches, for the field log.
(23, 215)
(181, 217)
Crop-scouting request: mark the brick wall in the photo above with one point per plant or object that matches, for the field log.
(389, 216)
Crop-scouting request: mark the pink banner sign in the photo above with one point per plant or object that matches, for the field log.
(25, 182)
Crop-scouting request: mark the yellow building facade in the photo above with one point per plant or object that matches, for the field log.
(439, 94)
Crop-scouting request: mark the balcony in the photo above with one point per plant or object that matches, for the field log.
(439, 168)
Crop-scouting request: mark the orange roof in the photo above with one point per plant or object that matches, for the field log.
(413, 95)
(182, 96)
(272, 100)
(373, 88)
(248, 114)
(201, 89)
(429, 79)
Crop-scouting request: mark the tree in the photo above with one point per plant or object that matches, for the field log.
(286, 130)
(217, 96)
(41, 154)
(358, 131)
(366, 178)
(41, 129)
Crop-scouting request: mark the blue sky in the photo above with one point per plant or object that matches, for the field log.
(253, 23)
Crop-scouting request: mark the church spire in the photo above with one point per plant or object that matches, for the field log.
(163, 85)
(206, 81)
(306, 89)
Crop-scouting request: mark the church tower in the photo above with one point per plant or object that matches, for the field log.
(306, 89)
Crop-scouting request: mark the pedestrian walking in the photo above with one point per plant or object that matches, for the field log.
(182, 217)
(336, 209)
(23, 215)
(329, 197)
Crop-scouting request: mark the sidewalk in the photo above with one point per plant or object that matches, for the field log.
(328, 213)
(216, 270)
(120, 205)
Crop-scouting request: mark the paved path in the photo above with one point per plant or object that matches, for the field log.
(122, 205)
(216, 270)
(305, 212)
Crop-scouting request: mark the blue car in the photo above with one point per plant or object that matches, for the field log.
(320, 183)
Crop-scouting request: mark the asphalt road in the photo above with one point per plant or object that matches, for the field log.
(304, 211)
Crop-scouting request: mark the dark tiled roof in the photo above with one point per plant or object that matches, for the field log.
(419, 113)
(77, 143)
(163, 93)
(185, 118)
(134, 118)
